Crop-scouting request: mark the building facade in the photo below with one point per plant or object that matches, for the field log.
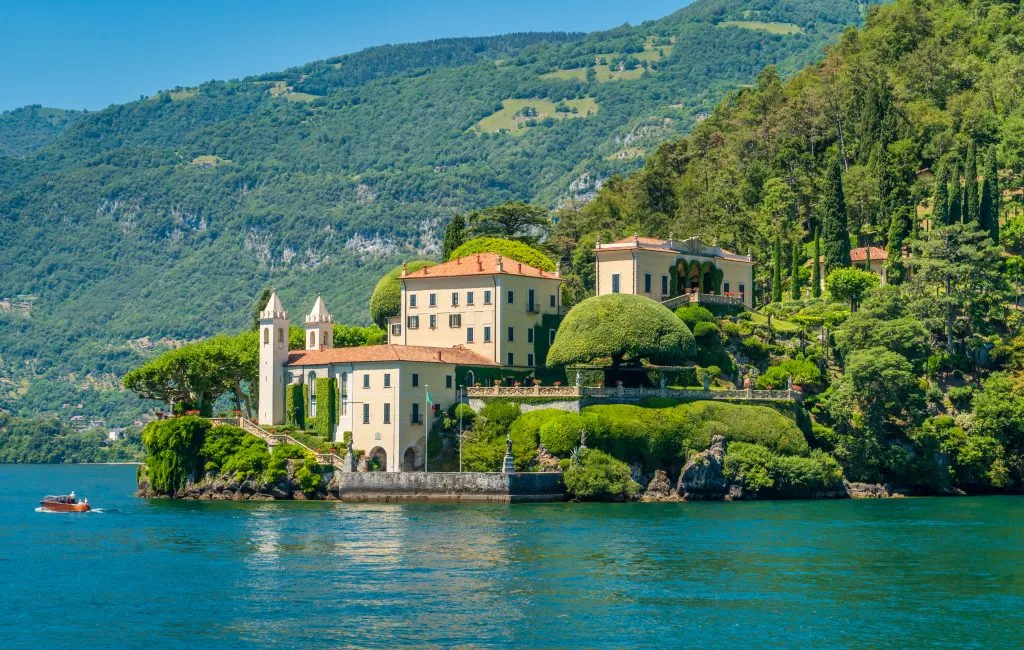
(661, 269)
(383, 396)
(503, 310)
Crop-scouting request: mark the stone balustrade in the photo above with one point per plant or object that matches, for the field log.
(523, 391)
(621, 393)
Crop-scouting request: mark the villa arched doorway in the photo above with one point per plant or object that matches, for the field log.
(377, 460)
(409, 460)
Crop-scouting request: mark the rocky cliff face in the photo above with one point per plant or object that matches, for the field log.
(703, 476)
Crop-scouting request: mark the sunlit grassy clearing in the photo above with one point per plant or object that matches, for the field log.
(506, 120)
(784, 29)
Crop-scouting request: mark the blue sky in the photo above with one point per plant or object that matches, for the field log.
(92, 53)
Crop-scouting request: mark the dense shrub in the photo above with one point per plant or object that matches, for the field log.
(625, 328)
(484, 447)
(172, 451)
(231, 450)
(800, 370)
(386, 300)
(512, 250)
(560, 435)
(693, 314)
(961, 397)
(762, 470)
(597, 475)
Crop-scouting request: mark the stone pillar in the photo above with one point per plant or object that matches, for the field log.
(509, 466)
(579, 378)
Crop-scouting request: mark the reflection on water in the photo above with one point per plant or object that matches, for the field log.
(908, 573)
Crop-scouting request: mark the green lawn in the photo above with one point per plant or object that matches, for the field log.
(652, 54)
(785, 29)
(777, 323)
(300, 97)
(506, 120)
(575, 73)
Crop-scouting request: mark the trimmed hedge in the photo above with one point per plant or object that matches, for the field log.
(661, 438)
(624, 327)
(507, 248)
(386, 300)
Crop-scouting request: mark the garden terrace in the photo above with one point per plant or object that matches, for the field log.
(274, 439)
(622, 393)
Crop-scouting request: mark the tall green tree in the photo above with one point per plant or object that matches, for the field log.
(970, 212)
(988, 208)
(816, 268)
(777, 271)
(940, 200)
(512, 220)
(454, 235)
(794, 288)
(956, 197)
(834, 228)
(898, 231)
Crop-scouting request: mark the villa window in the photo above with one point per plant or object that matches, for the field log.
(664, 285)
(511, 359)
(454, 320)
(312, 340)
(376, 436)
(615, 282)
(412, 300)
(469, 297)
(447, 381)
(487, 334)
(387, 380)
(266, 337)
(511, 297)
(366, 380)
(387, 413)
(487, 297)
(396, 329)
(455, 299)
(412, 322)
(416, 413)
(647, 282)
(529, 360)
(529, 335)
(511, 334)
(344, 392)
(725, 287)
(366, 413)
(433, 322)
(553, 300)
(531, 305)
(415, 379)
(742, 289)
(432, 299)
(312, 394)
(469, 335)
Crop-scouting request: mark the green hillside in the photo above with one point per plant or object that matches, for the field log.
(30, 128)
(159, 220)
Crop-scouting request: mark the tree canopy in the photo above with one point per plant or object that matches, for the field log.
(513, 250)
(623, 328)
(386, 300)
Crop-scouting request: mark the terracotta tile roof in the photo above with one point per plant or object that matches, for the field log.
(673, 246)
(860, 254)
(480, 264)
(383, 353)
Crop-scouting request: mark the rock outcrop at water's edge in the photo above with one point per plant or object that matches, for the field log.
(703, 476)
(227, 487)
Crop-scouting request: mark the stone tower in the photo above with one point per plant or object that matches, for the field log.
(273, 356)
(319, 327)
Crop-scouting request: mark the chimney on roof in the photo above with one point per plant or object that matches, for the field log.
(500, 268)
(405, 268)
(458, 260)
(520, 268)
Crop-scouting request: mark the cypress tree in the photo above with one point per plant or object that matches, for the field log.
(970, 212)
(835, 229)
(988, 210)
(816, 272)
(454, 236)
(897, 235)
(777, 272)
(940, 203)
(956, 198)
(794, 289)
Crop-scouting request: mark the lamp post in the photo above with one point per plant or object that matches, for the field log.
(457, 408)
(426, 437)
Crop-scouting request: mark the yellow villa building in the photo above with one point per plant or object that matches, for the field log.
(462, 322)
(670, 270)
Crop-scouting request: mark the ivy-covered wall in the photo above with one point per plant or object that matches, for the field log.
(326, 407)
(295, 406)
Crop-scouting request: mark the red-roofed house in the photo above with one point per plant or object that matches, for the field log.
(860, 256)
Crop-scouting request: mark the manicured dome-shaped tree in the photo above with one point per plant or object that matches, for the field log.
(507, 248)
(624, 328)
(386, 300)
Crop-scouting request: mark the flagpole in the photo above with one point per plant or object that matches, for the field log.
(426, 438)
(459, 407)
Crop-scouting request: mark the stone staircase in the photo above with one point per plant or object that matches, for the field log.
(274, 439)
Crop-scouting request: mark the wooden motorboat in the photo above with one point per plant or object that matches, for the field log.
(64, 503)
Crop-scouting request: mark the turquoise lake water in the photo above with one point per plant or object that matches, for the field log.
(853, 574)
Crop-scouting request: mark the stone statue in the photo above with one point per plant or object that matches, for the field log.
(509, 465)
(583, 438)
(348, 464)
(508, 444)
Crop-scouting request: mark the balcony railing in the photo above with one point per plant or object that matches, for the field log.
(698, 298)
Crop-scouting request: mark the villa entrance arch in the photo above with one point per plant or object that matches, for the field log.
(409, 460)
(381, 457)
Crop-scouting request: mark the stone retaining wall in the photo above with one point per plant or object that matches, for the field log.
(526, 404)
(448, 486)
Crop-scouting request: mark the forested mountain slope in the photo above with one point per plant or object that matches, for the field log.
(164, 217)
